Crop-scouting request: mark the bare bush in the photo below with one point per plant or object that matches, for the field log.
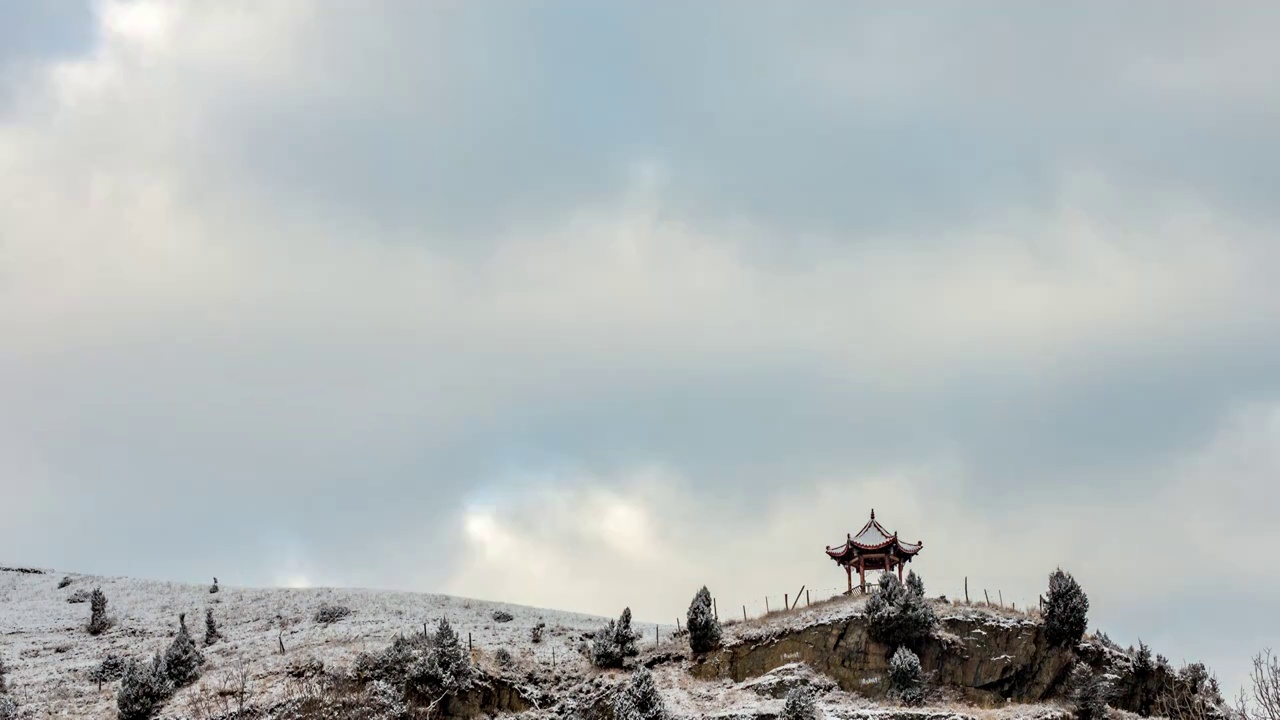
(1190, 693)
(502, 616)
(226, 695)
(65, 581)
(1262, 700)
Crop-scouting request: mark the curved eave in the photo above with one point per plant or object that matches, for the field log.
(850, 550)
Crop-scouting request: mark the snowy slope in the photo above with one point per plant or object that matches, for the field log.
(43, 641)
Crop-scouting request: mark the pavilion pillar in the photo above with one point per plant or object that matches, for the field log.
(862, 574)
(899, 571)
(848, 570)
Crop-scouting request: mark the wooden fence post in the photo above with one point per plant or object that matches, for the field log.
(1000, 593)
(806, 598)
(766, 604)
(744, 613)
(966, 590)
(786, 601)
(657, 639)
(715, 609)
(985, 595)
(469, 648)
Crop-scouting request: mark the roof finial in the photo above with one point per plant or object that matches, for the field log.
(873, 513)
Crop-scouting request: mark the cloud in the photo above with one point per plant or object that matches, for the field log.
(390, 295)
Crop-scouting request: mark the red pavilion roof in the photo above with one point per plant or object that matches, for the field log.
(872, 537)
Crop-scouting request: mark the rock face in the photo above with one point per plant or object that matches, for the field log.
(987, 658)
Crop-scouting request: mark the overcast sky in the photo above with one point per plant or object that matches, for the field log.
(584, 305)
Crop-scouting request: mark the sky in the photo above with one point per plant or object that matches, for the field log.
(586, 305)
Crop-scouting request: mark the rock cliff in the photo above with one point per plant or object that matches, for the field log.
(986, 657)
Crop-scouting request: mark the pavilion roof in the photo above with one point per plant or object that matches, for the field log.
(873, 536)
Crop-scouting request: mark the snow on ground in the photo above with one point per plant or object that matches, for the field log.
(843, 607)
(49, 653)
(761, 628)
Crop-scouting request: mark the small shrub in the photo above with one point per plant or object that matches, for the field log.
(1088, 693)
(214, 587)
(143, 687)
(502, 616)
(535, 635)
(78, 596)
(392, 664)
(1066, 611)
(800, 704)
(704, 629)
(98, 621)
(8, 706)
(906, 677)
(110, 669)
(182, 660)
(327, 614)
(898, 615)
(503, 656)
(64, 582)
(211, 634)
(641, 699)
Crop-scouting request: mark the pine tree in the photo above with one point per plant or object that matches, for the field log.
(905, 676)
(98, 622)
(704, 629)
(211, 634)
(142, 687)
(450, 665)
(1066, 614)
(182, 659)
(605, 652)
(800, 704)
(641, 699)
(1088, 694)
(625, 637)
(915, 585)
(900, 616)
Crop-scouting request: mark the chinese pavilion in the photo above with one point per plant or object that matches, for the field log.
(873, 548)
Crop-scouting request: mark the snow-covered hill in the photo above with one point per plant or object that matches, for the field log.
(49, 653)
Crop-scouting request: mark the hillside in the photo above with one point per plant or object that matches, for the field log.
(984, 662)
